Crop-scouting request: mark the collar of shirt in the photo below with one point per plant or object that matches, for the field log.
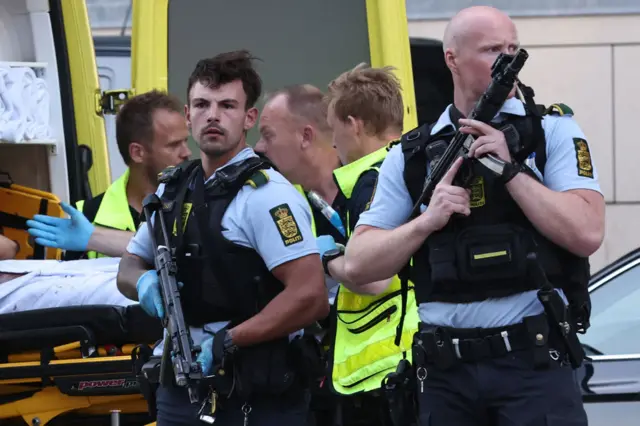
(242, 155)
(511, 106)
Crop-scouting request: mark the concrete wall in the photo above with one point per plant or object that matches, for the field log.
(592, 65)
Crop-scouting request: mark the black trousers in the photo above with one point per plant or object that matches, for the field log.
(174, 409)
(505, 391)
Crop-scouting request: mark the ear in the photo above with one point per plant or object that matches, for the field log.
(450, 59)
(187, 115)
(308, 134)
(136, 152)
(251, 118)
(355, 125)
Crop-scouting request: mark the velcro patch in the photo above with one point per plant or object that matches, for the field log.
(286, 224)
(583, 156)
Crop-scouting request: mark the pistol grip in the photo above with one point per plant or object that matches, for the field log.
(465, 173)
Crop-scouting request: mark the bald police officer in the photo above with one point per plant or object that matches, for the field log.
(486, 353)
(248, 263)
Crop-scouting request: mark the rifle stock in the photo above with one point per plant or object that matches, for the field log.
(186, 371)
(504, 73)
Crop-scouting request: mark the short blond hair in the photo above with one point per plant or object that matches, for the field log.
(373, 95)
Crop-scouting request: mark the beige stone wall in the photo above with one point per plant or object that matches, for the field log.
(593, 65)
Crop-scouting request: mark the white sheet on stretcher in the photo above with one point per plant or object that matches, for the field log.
(51, 284)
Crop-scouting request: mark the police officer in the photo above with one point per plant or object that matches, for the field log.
(486, 352)
(294, 134)
(151, 133)
(247, 260)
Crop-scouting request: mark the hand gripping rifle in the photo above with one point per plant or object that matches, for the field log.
(504, 76)
(178, 345)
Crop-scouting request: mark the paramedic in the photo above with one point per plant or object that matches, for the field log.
(247, 253)
(295, 136)
(485, 352)
(365, 112)
(151, 133)
(8, 248)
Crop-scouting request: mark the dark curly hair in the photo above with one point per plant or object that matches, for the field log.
(225, 68)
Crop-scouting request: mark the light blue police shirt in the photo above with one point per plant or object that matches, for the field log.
(248, 222)
(392, 205)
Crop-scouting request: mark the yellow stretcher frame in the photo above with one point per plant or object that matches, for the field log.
(49, 402)
(388, 46)
(22, 202)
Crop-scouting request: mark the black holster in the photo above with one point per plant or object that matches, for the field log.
(399, 391)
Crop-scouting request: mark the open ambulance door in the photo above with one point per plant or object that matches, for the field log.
(50, 107)
(297, 41)
(85, 104)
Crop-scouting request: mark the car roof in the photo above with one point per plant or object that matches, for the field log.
(616, 264)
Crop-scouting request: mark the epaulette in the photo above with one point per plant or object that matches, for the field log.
(392, 144)
(173, 172)
(258, 179)
(559, 109)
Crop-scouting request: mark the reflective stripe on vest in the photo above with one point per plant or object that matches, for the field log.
(114, 210)
(364, 349)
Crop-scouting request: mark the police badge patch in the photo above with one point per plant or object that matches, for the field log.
(583, 156)
(286, 224)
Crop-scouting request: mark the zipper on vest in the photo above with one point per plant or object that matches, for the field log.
(386, 314)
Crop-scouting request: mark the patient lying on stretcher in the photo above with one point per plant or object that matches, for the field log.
(40, 284)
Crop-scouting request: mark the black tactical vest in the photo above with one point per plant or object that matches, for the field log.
(223, 281)
(487, 254)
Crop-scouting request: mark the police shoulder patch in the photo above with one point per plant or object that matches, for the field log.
(583, 157)
(286, 224)
(559, 109)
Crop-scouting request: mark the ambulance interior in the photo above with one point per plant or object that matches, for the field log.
(75, 365)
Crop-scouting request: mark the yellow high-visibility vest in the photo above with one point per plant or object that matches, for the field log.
(114, 209)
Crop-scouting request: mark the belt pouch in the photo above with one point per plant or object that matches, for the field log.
(491, 253)
(438, 348)
(442, 257)
(538, 331)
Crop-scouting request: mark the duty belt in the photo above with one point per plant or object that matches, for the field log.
(445, 346)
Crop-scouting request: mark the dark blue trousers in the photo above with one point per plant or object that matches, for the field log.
(174, 409)
(504, 391)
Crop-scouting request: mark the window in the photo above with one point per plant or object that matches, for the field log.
(615, 317)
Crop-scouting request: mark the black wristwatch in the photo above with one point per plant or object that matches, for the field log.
(510, 171)
(329, 255)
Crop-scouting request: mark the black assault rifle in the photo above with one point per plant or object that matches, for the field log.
(504, 73)
(178, 345)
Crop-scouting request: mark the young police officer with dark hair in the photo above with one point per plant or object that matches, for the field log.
(250, 270)
(486, 353)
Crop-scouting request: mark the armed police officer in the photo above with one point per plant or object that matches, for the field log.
(489, 351)
(246, 257)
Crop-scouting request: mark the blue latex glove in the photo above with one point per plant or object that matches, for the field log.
(67, 234)
(205, 357)
(149, 297)
(325, 243)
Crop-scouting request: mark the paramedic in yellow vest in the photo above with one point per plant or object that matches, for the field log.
(151, 133)
(365, 112)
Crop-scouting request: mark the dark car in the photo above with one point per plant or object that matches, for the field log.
(610, 378)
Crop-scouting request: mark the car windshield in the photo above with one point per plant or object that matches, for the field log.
(615, 316)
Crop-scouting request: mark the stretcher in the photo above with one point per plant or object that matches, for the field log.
(18, 204)
(75, 365)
